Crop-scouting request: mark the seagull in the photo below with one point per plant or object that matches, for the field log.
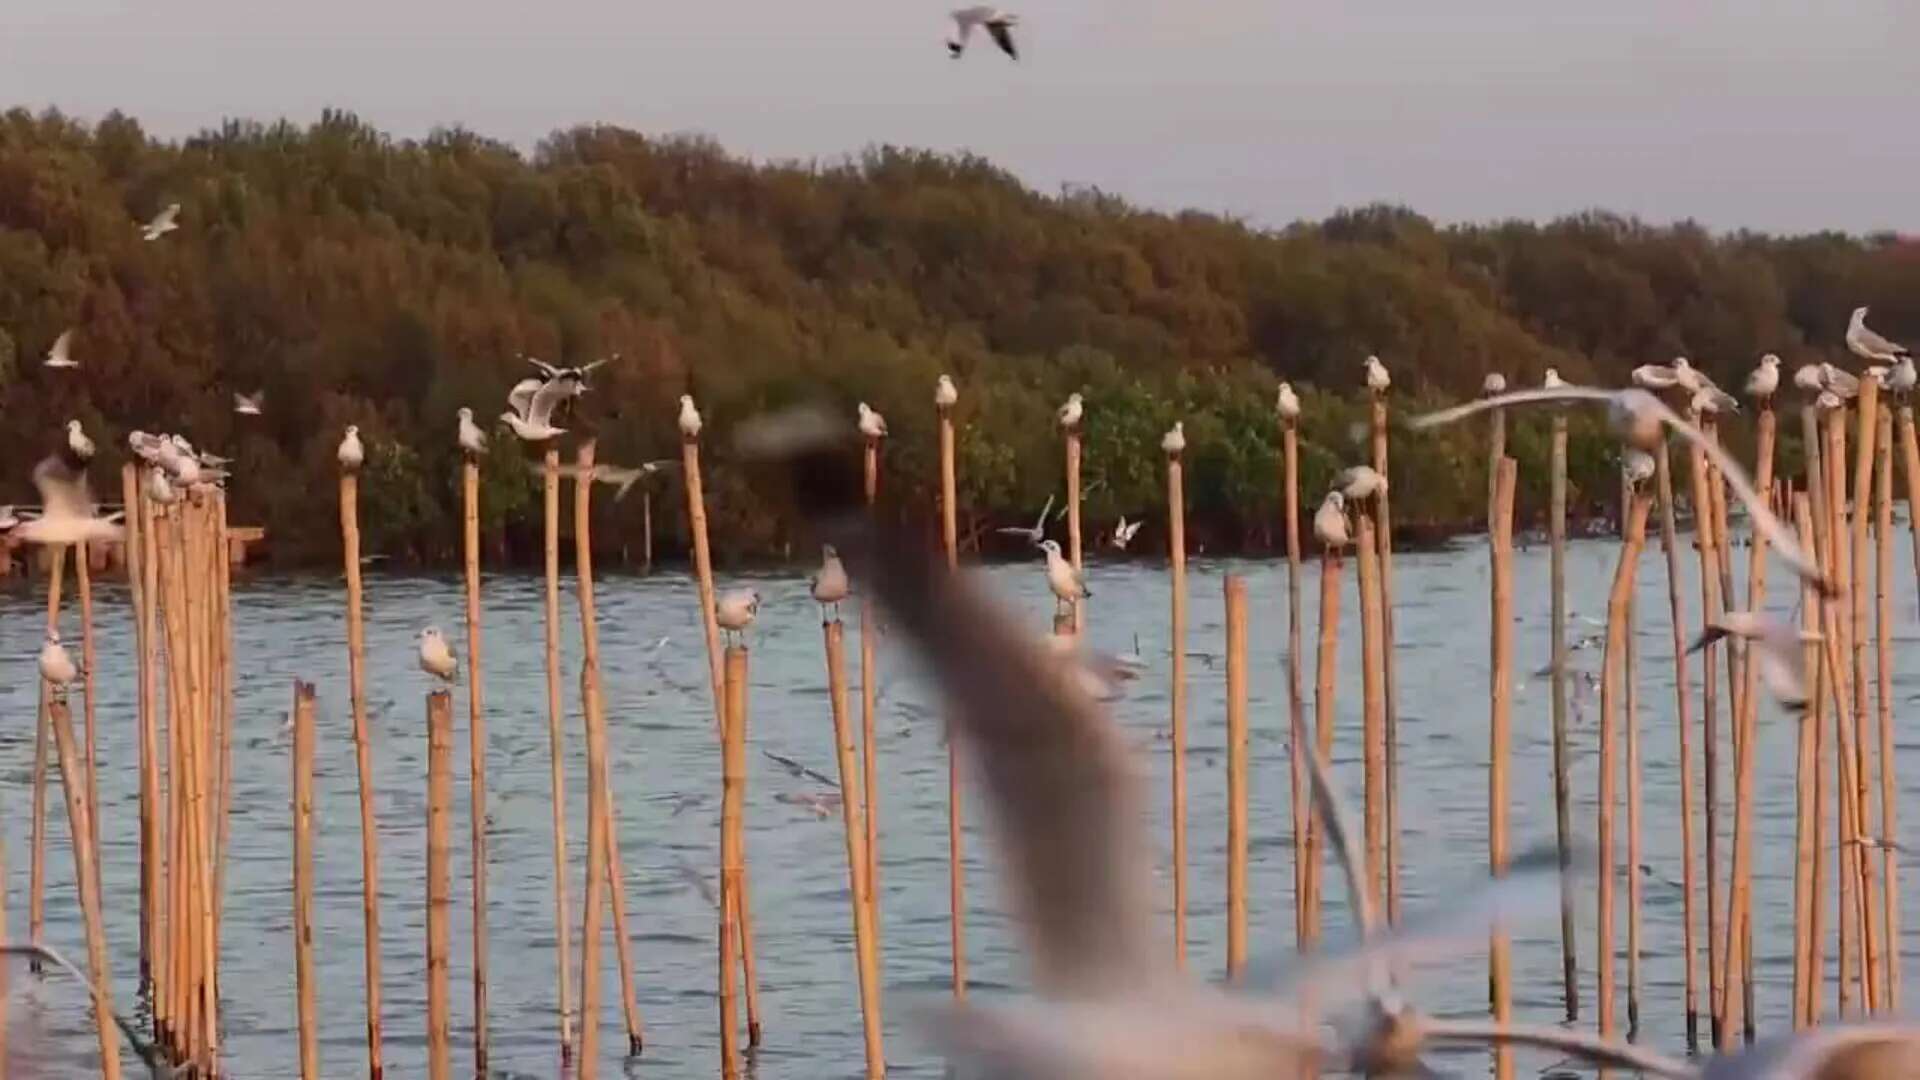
(1843, 384)
(872, 424)
(623, 479)
(1069, 414)
(1637, 466)
(352, 454)
(530, 416)
(1809, 378)
(1867, 345)
(1552, 379)
(77, 442)
(160, 489)
(998, 23)
(945, 394)
(1175, 440)
(472, 439)
(1068, 586)
(61, 355)
(829, 583)
(1655, 377)
(1377, 378)
(1776, 648)
(822, 806)
(735, 610)
(1360, 482)
(1287, 403)
(1902, 378)
(56, 666)
(1765, 379)
(1494, 384)
(68, 513)
(575, 375)
(1710, 400)
(436, 658)
(162, 223)
(689, 418)
(1330, 521)
(799, 771)
(1640, 419)
(1123, 533)
(1037, 532)
(249, 404)
(156, 1066)
(144, 446)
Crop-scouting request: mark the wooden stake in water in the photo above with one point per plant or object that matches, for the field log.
(83, 586)
(1296, 703)
(1324, 714)
(1910, 471)
(1612, 677)
(439, 883)
(1836, 625)
(37, 866)
(1383, 529)
(556, 744)
(1883, 682)
(363, 757)
(80, 819)
(1372, 710)
(1177, 695)
(304, 977)
(477, 755)
(1669, 540)
(1500, 735)
(733, 776)
(956, 871)
(153, 833)
(1806, 976)
(869, 700)
(1073, 517)
(1236, 591)
(1710, 605)
(702, 558)
(1631, 693)
(859, 885)
(1869, 419)
(1562, 779)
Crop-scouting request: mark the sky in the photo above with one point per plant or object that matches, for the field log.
(1782, 116)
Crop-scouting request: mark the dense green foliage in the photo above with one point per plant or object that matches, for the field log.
(362, 279)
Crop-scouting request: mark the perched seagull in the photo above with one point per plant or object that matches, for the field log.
(472, 439)
(1810, 378)
(1330, 521)
(1123, 533)
(68, 514)
(1287, 403)
(61, 355)
(534, 422)
(1844, 385)
(1360, 482)
(1641, 420)
(1765, 379)
(1175, 440)
(1377, 378)
(1552, 379)
(689, 418)
(1637, 466)
(1037, 532)
(162, 223)
(436, 657)
(829, 583)
(77, 442)
(872, 424)
(146, 447)
(998, 23)
(1068, 586)
(56, 666)
(1069, 414)
(249, 404)
(352, 454)
(1776, 648)
(734, 611)
(945, 394)
(1867, 345)
(1902, 378)
(160, 489)
(1494, 383)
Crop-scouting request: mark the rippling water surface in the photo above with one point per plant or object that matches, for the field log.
(667, 781)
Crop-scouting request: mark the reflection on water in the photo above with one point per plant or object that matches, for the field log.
(667, 778)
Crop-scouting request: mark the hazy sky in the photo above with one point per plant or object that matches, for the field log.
(1776, 115)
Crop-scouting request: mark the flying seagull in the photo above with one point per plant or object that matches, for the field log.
(1037, 532)
(1123, 533)
(249, 404)
(68, 513)
(998, 23)
(61, 355)
(534, 422)
(162, 223)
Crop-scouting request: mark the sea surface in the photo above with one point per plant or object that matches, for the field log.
(666, 776)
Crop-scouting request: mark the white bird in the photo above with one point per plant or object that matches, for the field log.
(1764, 380)
(1069, 414)
(1810, 378)
(472, 439)
(68, 514)
(1287, 403)
(249, 404)
(1654, 377)
(1175, 440)
(1037, 532)
(689, 418)
(574, 375)
(1828, 401)
(161, 223)
(829, 583)
(144, 446)
(1330, 521)
(520, 398)
(1360, 482)
(160, 489)
(945, 394)
(77, 441)
(999, 24)
(735, 611)
(1867, 345)
(56, 666)
(1843, 384)
(436, 656)
(534, 422)
(1377, 378)
(1710, 400)
(1903, 377)
(61, 355)
(1494, 383)
(1776, 647)
(351, 453)
(1857, 1050)
(1552, 379)
(1123, 533)
(1641, 420)
(1637, 466)
(1068, 585)
(872, 424)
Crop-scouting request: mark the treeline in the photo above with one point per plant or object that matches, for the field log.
(362, 279)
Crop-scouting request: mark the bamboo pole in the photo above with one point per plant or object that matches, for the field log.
(1500, 735)
(83, 587)
(1177, 696)
(1910, 470)
(869, 743)
(157, 828)
(956, 866)
(303, 880)
(1684, 729)
(1327, 654)
(79, 817)
(439, 884)
(1296, 705)
(1710, 606)
(171, 1018)
(200, 765)
(1631, 692)
(1562, 780)
(1836, 627)
(3, 943)
(1236, 596)
(702, 560)
(1806, 978)
(476, 755)
(1883, 681)
(1383, 523)
(1373, 712)
(1611, 677)
(1868, 414)
(37, 864)
(556, 745)
(1814, 477)
(733, 769)
(223, 651)
(859, 883)
(363, 757)
(1073, 519)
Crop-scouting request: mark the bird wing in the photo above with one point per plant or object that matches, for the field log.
(521, 395)
(540, 408)
(549, 370)
(62, 345)
(64, 491)
(1002, 32)
(1591, 1048)
(1041, 525)
(1873, 342)
(1516, 397)
(1344, 842)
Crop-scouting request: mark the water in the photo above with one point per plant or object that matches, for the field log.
(667, 781)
